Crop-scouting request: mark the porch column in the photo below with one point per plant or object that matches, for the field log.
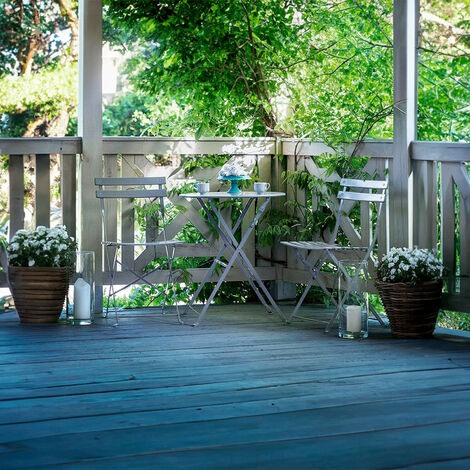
(90, 129)
(405, 22)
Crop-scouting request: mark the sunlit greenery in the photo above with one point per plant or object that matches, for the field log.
(317, 69)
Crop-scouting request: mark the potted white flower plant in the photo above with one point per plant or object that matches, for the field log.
(409, 283)
(39, 268)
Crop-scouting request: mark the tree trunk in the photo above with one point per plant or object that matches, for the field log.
(45, 127)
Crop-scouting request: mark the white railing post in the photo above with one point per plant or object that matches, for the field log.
(90, 129)
(405, 18)
(280, 289)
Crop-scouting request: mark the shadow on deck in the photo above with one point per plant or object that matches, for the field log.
(242, 390)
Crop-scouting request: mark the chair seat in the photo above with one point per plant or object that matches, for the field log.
(321, 246)
(161, 243)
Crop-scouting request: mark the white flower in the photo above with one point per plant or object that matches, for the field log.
(22, 232)
(232, 169)
(43, 245)
(412, 266)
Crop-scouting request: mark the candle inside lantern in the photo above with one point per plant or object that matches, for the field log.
(81, 300)
(353, 318)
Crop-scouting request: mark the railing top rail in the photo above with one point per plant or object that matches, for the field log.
(441, 151)
(40, 145)
(420, 150)
(368, 148)
(189, 146)
(238, 146)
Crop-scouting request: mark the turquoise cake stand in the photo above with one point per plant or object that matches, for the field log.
(234, 189)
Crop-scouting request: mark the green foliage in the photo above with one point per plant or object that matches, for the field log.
(278, 226)
(28, 97)
(263, 67)
(454, 320)
(128, 114)
(38, 76)
(444, 64)
(192, 162)
(29, 34)
(313, 218)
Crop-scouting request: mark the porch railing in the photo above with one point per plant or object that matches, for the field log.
(441, 205)
(434, 165)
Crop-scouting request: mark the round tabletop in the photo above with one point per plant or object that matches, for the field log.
(225, 195)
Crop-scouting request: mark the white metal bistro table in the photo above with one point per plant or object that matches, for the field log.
(229, 241)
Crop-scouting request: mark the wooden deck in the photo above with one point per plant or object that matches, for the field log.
(240, 391)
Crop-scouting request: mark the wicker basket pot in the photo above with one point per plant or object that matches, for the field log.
(411, 310)
(39, 293)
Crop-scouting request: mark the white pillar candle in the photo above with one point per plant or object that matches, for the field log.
(353, 318)
(81, 300)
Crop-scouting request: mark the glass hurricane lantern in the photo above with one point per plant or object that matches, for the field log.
(80, 311)
(353, 302)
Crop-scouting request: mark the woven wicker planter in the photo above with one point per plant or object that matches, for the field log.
(411, 310)
(39, 293)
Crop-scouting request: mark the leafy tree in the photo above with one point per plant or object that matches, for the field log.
(321, 69)
(444, 71)
(264, 67)
(38, 104)
(39, 45)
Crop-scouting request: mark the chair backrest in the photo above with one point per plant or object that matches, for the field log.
(128, 191)
(159, 181)
(370, 191)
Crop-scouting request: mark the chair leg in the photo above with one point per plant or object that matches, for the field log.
(172, 281)
(314, 271)
(112, 287)
(165, 294)
(110, 271)
(376, 315)
(301, 300)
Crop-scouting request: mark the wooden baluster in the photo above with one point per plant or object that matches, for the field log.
(424, 204)
(68, 192)
(42, 207)
(448, 222)
(264, 174)
(16, 193)
(127, 215)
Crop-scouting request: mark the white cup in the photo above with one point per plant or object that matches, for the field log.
(202, 188)
(261, 188)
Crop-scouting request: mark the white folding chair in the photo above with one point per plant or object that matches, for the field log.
(353, 190)
(128, 190)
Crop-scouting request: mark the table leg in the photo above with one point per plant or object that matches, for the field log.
(221, 251)
(245, 259)
(231, 243)
(235, 253)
